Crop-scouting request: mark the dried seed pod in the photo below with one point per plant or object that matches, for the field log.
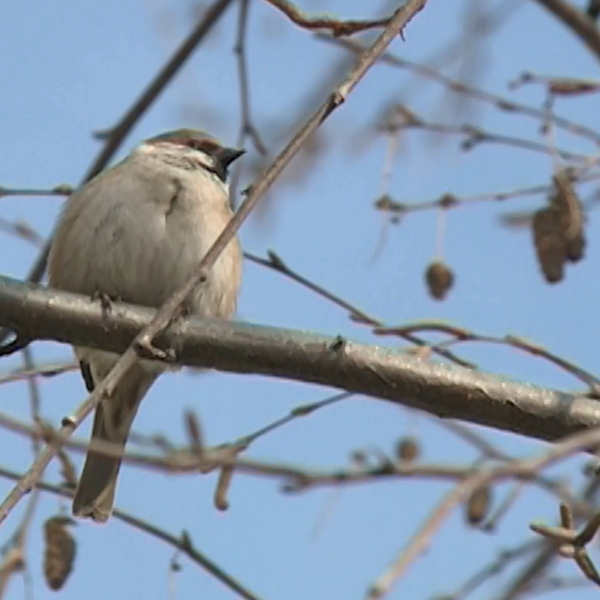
(223, 485)
(408, 449)
(439, 278)
(59, 552)
(478, 505)
(549, 243)
(558, 229)
(570, 86)
(572, 218)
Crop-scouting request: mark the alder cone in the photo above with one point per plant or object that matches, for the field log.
(439, 278)
(408, 449)
(59, 552)
(572, 217)
(478, 505)
(549, 243)
(558, 230)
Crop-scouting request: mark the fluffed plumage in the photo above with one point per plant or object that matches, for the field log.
(135, 233)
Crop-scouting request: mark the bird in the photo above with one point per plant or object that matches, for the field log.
(135, 233)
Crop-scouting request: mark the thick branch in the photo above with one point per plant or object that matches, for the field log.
(577, 21)
(41, 314)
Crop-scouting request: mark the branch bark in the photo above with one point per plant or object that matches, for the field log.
(39, 313)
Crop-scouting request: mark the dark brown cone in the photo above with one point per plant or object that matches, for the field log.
(478, 505)
(59, 552)
(549, 243)
(408, 449)
(439, 278)
(572, 218)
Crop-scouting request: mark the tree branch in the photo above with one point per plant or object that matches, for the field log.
(39, 313)
(577, 21)
(182, 543)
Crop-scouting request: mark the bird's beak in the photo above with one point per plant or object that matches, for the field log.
(226, 156)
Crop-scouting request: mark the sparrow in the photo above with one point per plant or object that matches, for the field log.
(135, 233)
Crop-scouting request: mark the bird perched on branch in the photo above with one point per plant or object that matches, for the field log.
(135, 233)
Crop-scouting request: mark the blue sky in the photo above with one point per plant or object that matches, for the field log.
(72, 68)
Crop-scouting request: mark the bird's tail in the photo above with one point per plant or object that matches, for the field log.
(114, 416)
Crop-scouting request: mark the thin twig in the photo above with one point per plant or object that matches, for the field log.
(336, 26)
(274, 262)
(18, 544)
(482, 477)
(493, 569)
(50, 370)
(451, 201)
(59, 190)
(23, 231)
(418, 544)
(247, 127)
(500, 102)
(460, 335)
(182, 543)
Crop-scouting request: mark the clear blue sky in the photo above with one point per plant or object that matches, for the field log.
(72, 68)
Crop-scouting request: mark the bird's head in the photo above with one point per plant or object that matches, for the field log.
(193, 149)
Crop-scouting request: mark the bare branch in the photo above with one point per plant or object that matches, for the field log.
(183, 543)
(336, 26)
(387, 373)
(577, 21)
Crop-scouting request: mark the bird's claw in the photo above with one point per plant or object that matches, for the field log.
(106, 302)
(145, 349)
